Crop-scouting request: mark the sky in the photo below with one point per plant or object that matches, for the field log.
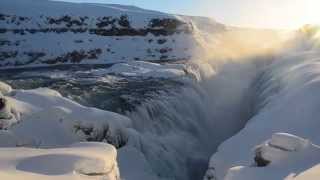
(280, 14)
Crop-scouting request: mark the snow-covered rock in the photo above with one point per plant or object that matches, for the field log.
(5, 88)
(8, 114)
(78, 161)
(287, 142)
(293, 157)
(278, 148)
(49, 120)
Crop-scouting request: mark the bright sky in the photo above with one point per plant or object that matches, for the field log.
(250, 13)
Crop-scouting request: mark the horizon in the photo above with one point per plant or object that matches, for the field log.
(266, 14)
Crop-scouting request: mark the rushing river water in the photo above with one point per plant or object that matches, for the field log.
(109, 92)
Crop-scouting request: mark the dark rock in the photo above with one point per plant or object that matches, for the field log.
(162, 41)
(259, 160)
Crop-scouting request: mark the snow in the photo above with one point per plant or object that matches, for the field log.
(287, 102)
(279, 147)
(36, 8)
(288, 165)
(8, 113)
(287, 142)
(77, 161)
(114, 49)
(36, 49)
(311, 174)
(51, 121)
(68, 121)
(5, 88)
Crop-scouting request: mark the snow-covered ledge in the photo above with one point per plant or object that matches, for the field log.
(288, 157)
(79, 161)
(41, 118)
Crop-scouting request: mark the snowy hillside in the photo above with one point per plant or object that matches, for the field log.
(40, 33)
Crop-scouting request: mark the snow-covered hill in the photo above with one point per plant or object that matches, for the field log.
(41, 33)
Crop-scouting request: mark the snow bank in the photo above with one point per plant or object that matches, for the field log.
(286, 100)
(49, 120)
(78, 161)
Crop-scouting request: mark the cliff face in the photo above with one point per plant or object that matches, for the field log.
(40, 33)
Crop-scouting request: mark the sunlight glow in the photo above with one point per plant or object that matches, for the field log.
(287, 14)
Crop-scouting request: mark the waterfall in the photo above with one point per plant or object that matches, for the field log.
(178, 130)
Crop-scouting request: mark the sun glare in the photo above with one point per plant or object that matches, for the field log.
(295, 13)
(307, 12)
(312, 15)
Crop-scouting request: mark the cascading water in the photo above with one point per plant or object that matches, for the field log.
(177, 131)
